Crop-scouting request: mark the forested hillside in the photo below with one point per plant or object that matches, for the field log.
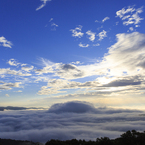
(129, 138)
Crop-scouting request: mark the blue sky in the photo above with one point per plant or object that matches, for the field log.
(71, 68)
(55, 51)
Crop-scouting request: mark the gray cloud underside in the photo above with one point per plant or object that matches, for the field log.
(8, 86)
(69, 120)
(126, 81)
(18, 108)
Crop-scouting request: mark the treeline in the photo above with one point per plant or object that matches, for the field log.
(129, 138)
(17, 142)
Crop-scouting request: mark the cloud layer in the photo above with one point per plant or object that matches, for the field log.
(80, 120)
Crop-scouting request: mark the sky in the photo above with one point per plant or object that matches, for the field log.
(89, 53)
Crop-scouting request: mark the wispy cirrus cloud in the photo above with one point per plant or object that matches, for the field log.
(5, 43)
(42, 5)
(105, 19)
(51, 20)
(126, 55)
(52, 25)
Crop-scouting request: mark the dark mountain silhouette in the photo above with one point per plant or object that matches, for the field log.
(129, 138)
(17, 142)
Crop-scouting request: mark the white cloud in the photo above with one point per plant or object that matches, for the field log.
(137, 25)
(4, 71)
(49, 67)
(9, 86)
(19, 91)
(105, 19)
(127, 55)
(77, 62)
(96, 44)
(131, 18)
(57, 85)
(97, 21)
(53, 24)
(26, 68)
(67, 71)
(102, 35)
(83, 45)
(51, 20)
(5, 42)
(100, 28)
(77, 32)
(49, 91)
(131, 29)
(91, 34)
(122, 12)
(13, 62)
(42, 5)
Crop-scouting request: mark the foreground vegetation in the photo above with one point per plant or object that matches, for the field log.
(129, 138)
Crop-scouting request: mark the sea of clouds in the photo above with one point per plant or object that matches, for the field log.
(63, 121)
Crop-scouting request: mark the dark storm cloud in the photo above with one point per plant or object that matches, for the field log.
(80, 120)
